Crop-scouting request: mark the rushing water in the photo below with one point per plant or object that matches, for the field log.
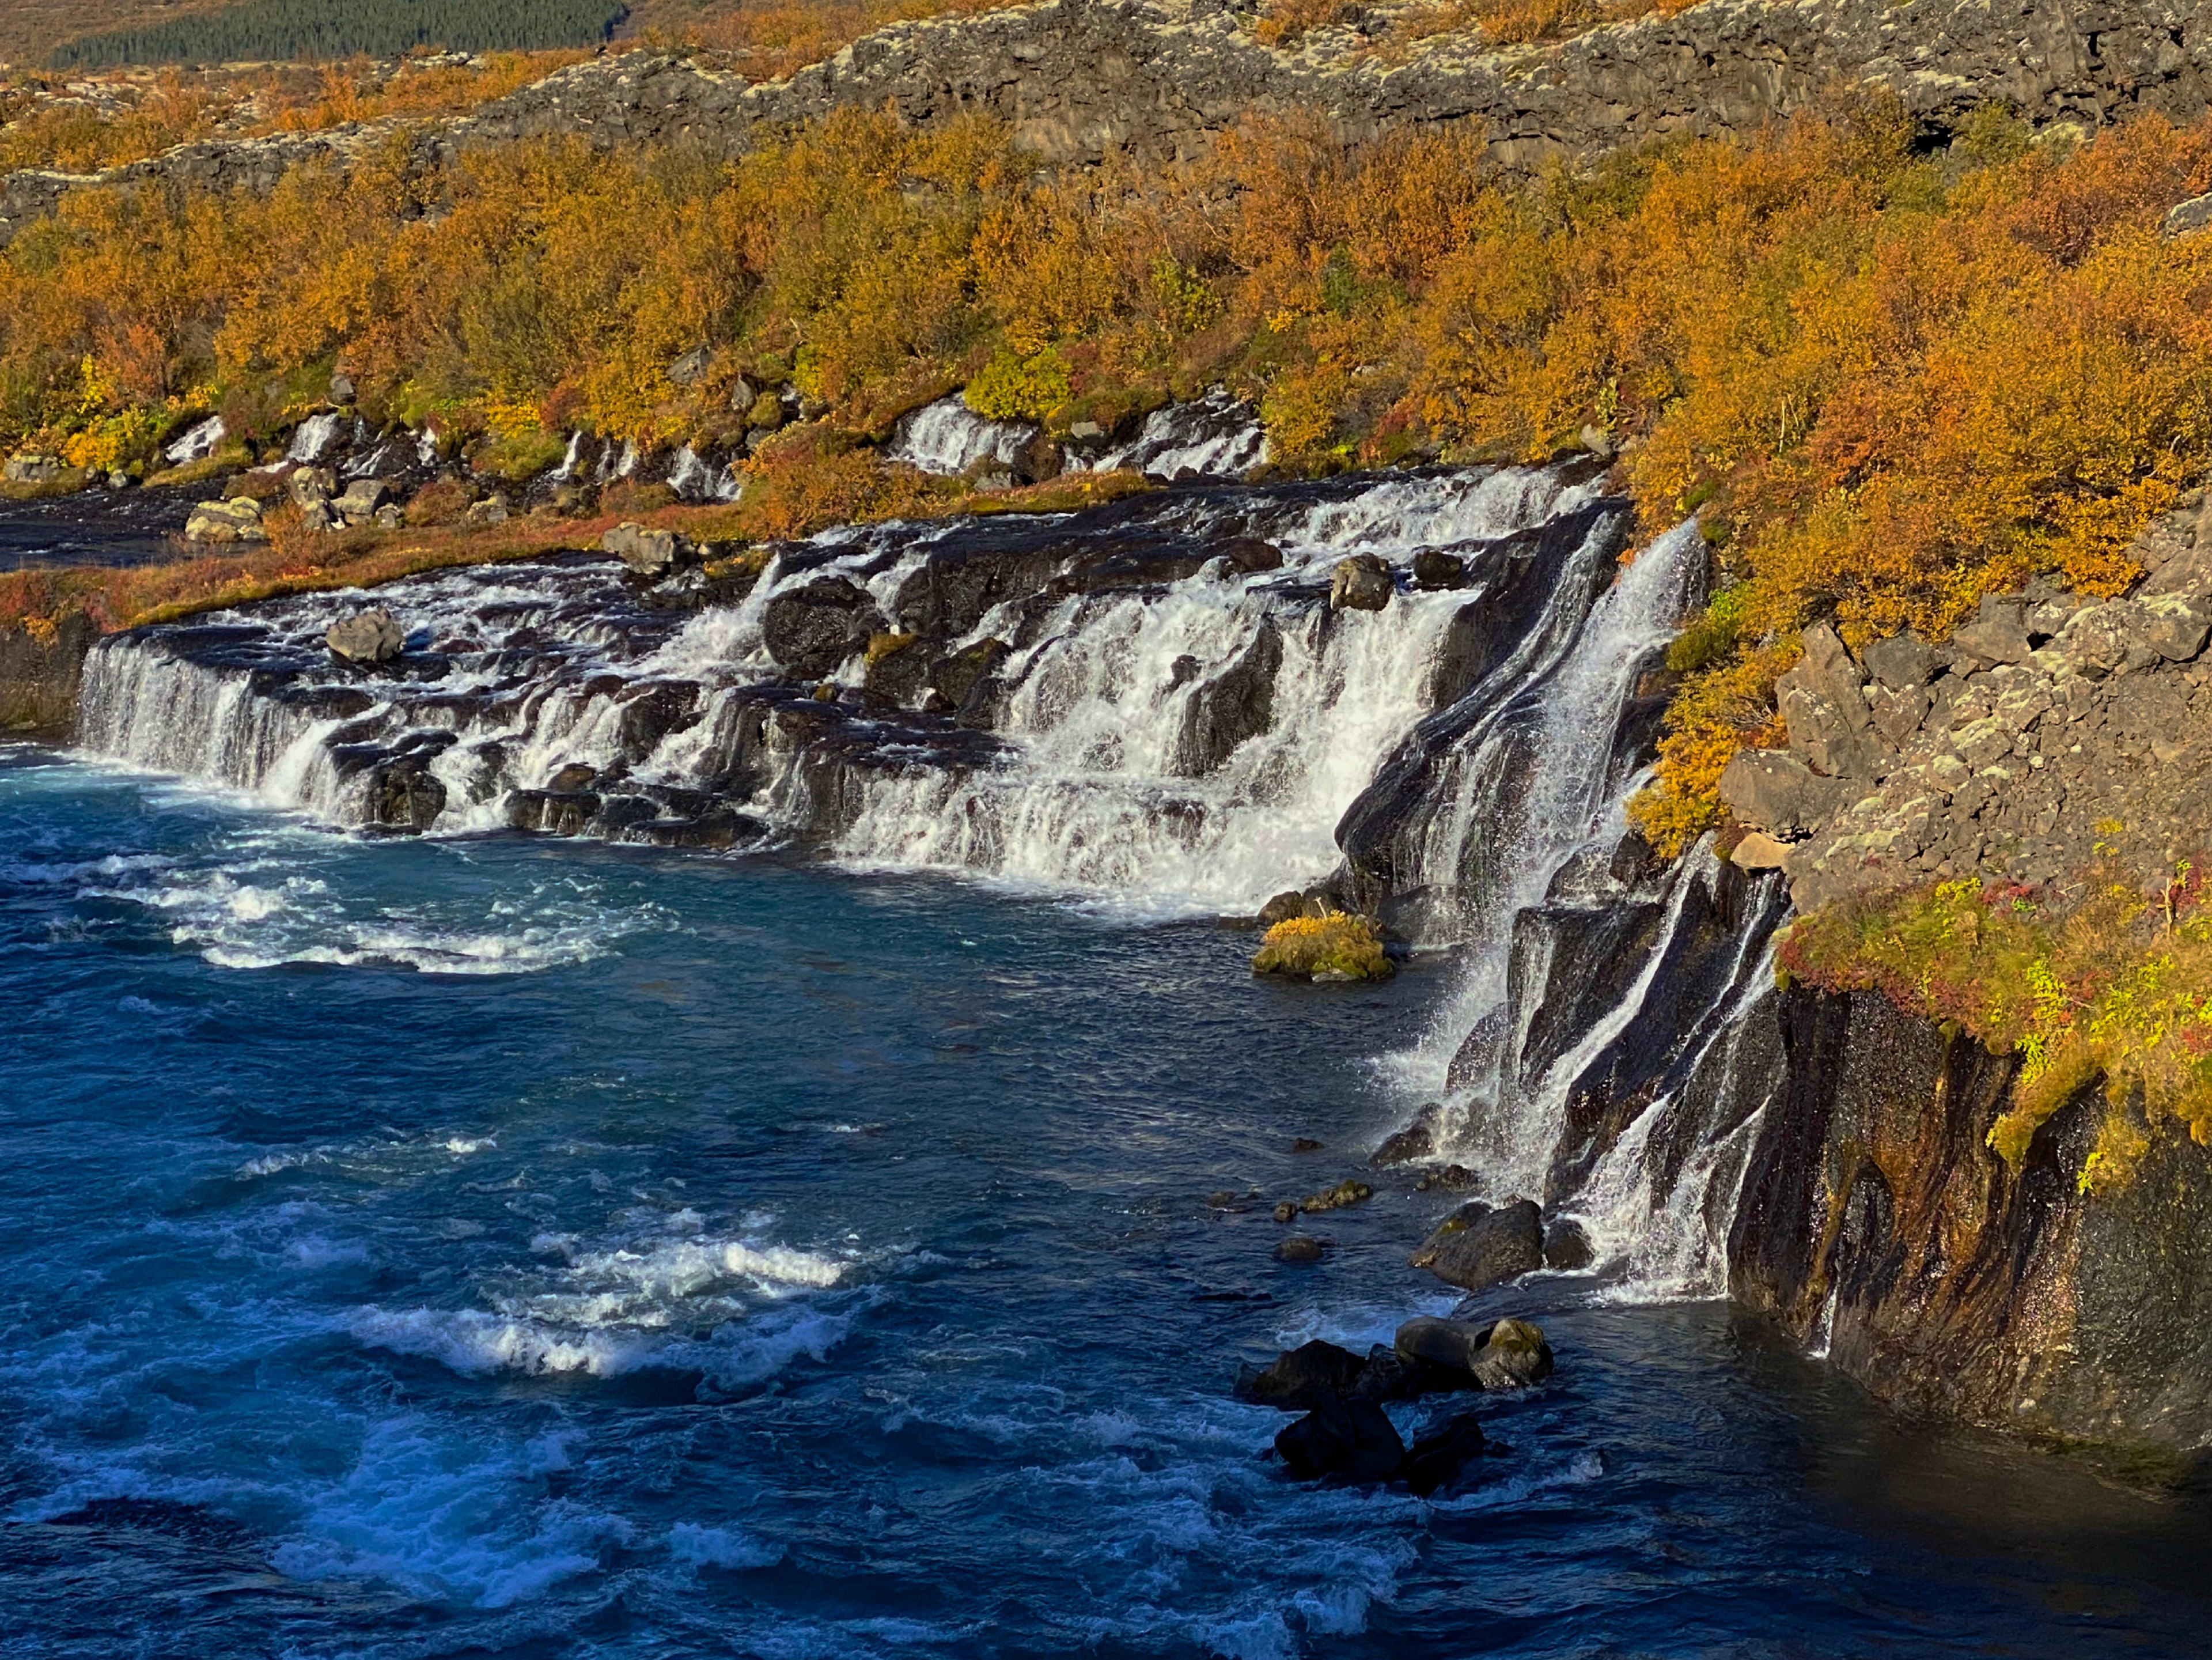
(498, 1246)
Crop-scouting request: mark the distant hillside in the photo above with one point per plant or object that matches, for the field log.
(276, 30)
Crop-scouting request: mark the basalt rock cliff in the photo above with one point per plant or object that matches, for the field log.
(1083, 80)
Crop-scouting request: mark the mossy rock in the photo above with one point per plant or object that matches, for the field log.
(1336, 947)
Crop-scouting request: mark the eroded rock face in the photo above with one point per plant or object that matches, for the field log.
(1876, 1218)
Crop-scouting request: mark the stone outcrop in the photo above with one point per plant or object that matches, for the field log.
(1082, 80)
(39, 672)
(2052, 733)
(1877, 1225)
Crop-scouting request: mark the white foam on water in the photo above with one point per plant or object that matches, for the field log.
(314, 438)
(1216, 436)
(700, 1547)
(681, 1268)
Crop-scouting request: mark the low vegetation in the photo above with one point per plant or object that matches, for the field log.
(1887, 382)
(2109, 995)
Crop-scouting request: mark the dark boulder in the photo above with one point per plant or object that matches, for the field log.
(1436, 570)
(1283, 907)
(809, 630)
(1342, 1441)
(1387, 1375)
(965, 680)
(1439, 1457)
(1476, 1247)
(1417, 1141)
(1362, 582)
(1300, 1378)
(1566, 1247)
(1230, 707)
(1513, 1356)
(1299, 1247)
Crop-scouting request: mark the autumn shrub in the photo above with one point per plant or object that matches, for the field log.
(2110, 995)
(1335, 946)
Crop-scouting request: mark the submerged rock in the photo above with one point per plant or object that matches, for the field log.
(1300, 1378)
(1350, 1191)
(1440, 1456)
(1495, 1354)
(1299, 1247)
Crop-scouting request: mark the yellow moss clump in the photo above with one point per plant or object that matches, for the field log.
(1337, 947)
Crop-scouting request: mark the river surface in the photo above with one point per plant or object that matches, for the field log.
(484, 1246)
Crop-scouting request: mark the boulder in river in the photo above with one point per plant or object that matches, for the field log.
(1439, 1456)
(1417, 1141)
(1362, 582)
(1566, 1247)
(1350, 1191)
(1500, 1354)
(1477, 1247)
(650, 553)
(1299, 1247)
(1342, 1441)
(811, 628)
(1300, 1379)
(369, 637)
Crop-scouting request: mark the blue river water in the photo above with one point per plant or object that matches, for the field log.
(499, 1247)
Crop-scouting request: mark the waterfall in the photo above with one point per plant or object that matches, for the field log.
(693, 478)
(947, 438)
(315, 438)
(1216, 436)
(198, 443)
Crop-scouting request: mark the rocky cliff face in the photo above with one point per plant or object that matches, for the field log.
(39, 674)
(2051, 732)
(1876, 1224)
(1081, 80)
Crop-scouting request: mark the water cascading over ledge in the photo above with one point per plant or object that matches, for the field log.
(1152, 703)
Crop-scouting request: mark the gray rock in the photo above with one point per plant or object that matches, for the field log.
(1998, 633)
(1903, 662)
(361, 500)
(1434, 570)
(1360, 583)
(1825, 707)
(30, 468)
(1773, 790)
(369, 637)
(235, 521)
(650, 553)
(1514, 1355)
(1417, 1141)
(492, 510)
(342, 389)
(1477, 1247)
(2190, 217)
(308, 485)
(691, 368)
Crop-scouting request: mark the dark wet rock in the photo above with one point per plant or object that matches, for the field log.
(552, 812)
(1282, 907)
(1436, 570)
(403, 794)
(1477, 1247)
(1299, 1247)
(369, 637)
(1450, 1178)
(1566, 1247)
(1342, 1441)
(1228, 708)
(1350, 1191)
(1387, 1375)
(1440, 1458)
(1876, 1217)
(1249, 555)
(1451, 1345)
(898, 667)
(966, 680)
(576, 775)
(1286, 1210)
(1513, 1355)
(1300, 1379)
(1362, 582)
(1417, 1141)
(809, 629)
(1304, 1144)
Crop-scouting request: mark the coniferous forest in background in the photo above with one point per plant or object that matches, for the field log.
(262, 30)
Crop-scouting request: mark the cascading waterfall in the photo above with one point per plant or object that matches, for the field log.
(947, 438)
(1161, 727)
(1216, 436)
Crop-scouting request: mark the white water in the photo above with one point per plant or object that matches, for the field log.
(198, 443)
(315, 438)
(1217, 436)
(947, 438)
